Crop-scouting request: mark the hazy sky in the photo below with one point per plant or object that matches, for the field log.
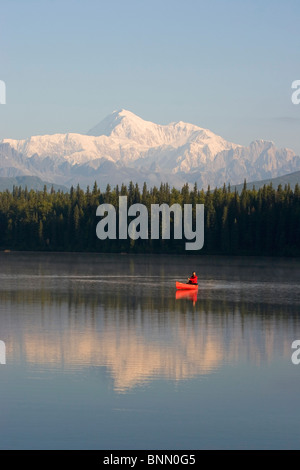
(223, 65)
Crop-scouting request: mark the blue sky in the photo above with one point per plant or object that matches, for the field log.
(223, 65)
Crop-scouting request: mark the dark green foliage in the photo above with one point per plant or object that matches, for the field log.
(254, 222)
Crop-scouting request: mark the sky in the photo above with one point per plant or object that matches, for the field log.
(223, 65)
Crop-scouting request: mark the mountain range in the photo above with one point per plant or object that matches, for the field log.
(124, 147)
(291, 178)
(29, 182)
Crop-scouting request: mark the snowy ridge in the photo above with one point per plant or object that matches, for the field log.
(123, 146)
(123, 136)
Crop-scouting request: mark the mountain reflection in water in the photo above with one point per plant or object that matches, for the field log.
(136, 336)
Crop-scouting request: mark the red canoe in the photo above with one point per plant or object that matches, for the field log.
(181, 285)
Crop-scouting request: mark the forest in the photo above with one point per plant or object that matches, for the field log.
(252, 222)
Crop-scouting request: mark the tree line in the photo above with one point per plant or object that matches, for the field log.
(254, 222)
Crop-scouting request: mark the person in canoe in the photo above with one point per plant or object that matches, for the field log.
(193, 279)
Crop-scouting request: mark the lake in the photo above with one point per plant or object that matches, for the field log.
(101, 353)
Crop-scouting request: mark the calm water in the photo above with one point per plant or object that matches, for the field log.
(101, 354)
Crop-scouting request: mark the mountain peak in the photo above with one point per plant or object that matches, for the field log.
(119, 117)
(125, 113)
(125, 147)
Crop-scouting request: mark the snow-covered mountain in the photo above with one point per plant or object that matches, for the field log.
(124, 147)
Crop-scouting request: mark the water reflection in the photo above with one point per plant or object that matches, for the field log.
(185, 294)
(102, 354)
(139, 333)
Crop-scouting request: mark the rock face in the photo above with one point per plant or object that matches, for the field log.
(124, 147)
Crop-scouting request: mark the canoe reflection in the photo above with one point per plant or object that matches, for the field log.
(187, 294)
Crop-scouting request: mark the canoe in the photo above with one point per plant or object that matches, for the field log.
(182, 285)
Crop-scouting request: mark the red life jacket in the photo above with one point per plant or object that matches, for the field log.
(194, 280)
